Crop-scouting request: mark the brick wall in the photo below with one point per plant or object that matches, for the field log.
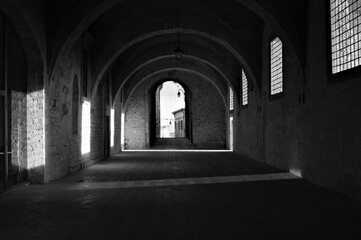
(136, 119)
(64, 148)
(209, 115)
(117, 125)
(17, 89)
(266, 128)
(317, 139)
(207, 107)
(36, 129)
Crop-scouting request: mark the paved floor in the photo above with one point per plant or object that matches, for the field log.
(178, 195)
(172, 143)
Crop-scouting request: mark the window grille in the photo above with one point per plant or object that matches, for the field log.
(345, 34)
(244, 89)
(230, 99)
(276, 66)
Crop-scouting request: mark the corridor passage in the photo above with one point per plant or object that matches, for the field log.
(178, 195)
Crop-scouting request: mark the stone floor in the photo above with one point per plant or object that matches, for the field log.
(178, 195)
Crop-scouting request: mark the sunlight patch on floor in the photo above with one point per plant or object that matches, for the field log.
(176, 150)
(177, 181)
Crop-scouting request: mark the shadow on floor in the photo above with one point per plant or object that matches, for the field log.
(94, 204)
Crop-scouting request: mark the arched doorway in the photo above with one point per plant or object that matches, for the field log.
(170, 115)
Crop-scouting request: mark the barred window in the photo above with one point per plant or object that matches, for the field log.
(276, 66)
(345, 34)
(244, 89)
(231, 106)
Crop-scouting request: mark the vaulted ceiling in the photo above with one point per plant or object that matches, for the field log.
(138, 37)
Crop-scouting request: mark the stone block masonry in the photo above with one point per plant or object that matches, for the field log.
(36, 129)
(63, 146)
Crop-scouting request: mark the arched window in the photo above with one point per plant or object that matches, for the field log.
(345, 34)
(231, 103)
(75, 105)
(276, 66)
(244, 89)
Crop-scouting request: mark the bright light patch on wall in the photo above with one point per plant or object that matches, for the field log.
(244, 89)
(276, 66)
(85, 128)
(296, 172)
(345, 34)
(122, 126)
(112, 127)
(231, 104)
(36, 107)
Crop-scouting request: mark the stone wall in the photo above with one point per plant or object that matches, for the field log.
(118, 108)
(17, 89)
(248, 127)
(267, 127)
(36, 129)
(64, 147)
(279, 113)
(312, 131)
(330, 133)
(136, 119)
(208, 116)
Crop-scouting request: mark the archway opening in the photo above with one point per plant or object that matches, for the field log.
(170, 116)
(170, 110)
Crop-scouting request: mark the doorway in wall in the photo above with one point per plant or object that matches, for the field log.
(170, 116)
(170, 110)
(231, 133)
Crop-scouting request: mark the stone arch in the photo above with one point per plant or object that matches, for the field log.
(222, 92)
(30, 35)
(132, 73)
(204, 98)
(215, 39)
(270, 13)
(152, 90)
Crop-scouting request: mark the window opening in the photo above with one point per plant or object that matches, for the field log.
(276, 66)
(244, 89)
(345, 34)
(85, 127)
(231, 103)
